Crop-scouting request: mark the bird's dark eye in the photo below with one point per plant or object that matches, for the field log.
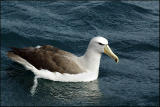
(100, 43)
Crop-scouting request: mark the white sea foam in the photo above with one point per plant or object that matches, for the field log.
(35, 84)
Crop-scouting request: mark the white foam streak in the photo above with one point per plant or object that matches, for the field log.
(33, 89)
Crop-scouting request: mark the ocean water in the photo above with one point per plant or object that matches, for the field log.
(131, 27)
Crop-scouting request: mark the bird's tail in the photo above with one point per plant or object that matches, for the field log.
(20, 60)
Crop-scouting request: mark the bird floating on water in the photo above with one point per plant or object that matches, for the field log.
(51, 63)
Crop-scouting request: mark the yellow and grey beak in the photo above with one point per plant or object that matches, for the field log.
(108, 51)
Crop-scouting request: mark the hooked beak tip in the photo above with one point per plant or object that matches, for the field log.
(117, 60)
(109, 52)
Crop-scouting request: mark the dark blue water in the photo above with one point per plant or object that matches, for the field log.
(131, 28)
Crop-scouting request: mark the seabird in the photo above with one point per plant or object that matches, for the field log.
(51, 63)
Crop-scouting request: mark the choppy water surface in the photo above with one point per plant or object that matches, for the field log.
(131, 28)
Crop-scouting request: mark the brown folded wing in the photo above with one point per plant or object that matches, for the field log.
(50, 58)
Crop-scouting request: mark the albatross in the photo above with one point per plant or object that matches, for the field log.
(51, 63)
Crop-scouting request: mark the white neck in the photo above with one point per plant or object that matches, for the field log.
(90, 60)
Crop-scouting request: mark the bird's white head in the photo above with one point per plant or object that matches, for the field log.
(100, 44)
